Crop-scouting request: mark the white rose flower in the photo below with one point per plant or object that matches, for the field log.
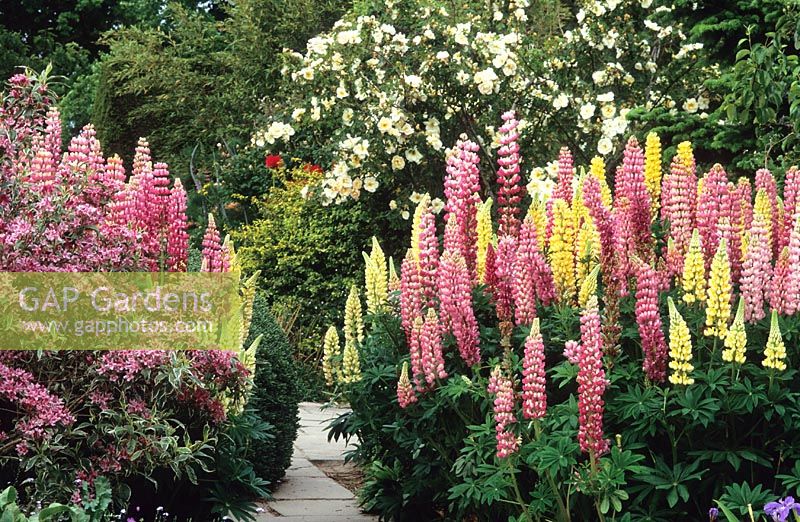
(307, 73)
(442, 56)
(702, 103)
(429, 34)
(413, 81)
(370, 184)
(405, 215)
(604, 146)
(599, 77)
(690, 105)
(414, 155)
(608, 110)
(587, 110)
(398, 163)
(298, 113)
(646, 3)
(341, 92)
(606, 97)
(561, 101)
(347, 116)
(437, 205)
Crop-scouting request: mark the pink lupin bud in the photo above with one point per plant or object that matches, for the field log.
(523, 286)
(52, 139)
(566, 174)
(791, 191)
(141, 158)
(678, 202)
(766, 181)
(428, 256)
(571, 351)
(780, 275)
(713, 204)
(509, 192)
(792, 301)
(455, 299)
(534, 398)
(756, 271)
(177, 237)
(623, 242)
(532, 276)
(630, 184)
(504, 418)
(648, 319)
(503, 287)
(602, 219)
(461, 188)
(43, 170)
(490, 269)
(405, 392)
(411, 293)
(431, 349)
(591, 383)
(214, 258)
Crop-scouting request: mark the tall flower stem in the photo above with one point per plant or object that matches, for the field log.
(517, 492)
(562, 508)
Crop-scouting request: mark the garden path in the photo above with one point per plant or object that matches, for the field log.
(306, 494)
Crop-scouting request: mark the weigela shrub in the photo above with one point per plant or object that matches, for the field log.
(69, 417)
(375, 99)
(618, 354)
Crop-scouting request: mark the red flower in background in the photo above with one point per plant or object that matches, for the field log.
(311, 167)
(273, 161)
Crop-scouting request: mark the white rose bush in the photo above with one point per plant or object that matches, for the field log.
(374, 100)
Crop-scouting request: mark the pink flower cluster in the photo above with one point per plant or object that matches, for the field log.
(534, 399)
(509, 191)
(461, 188)
(648, 319)
(531, 277)
(504, 418)
(591, 383)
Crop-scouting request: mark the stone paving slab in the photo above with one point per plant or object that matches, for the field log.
(306, 494)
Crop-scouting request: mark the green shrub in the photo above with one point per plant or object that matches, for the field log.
(275, 394)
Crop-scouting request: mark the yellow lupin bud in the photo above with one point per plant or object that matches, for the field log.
(394, 279)
(685, 154)
(693, 280)
(485, 232)
(376, 278)
(353, 321)
(680, 348)
(736, 340)
(421, 209)
(562, 254)
(652, 171)
(762, 207)
(718, 294)
(598, 170)
(588, 286)
(775, 351)
(351, 365)
(579, 210)
(538, 213)
(331, 353)
(587, 250)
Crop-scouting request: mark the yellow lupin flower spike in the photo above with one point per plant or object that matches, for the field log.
(587, 250)
(598, 169)
(693, 280)
(485, 232)
(775, 351)
(736, 340)
(376, 278)
(562, 255)
(680, 347)
(652, 171)
(351, 365)
(353, 320)
(588, 286)
(331, 353)
(686, 155)
(718, 294)
(538, 213)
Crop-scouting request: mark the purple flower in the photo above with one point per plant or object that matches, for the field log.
(780, 510)
(713, 513)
